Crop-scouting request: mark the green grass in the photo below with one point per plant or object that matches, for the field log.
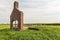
(45, 32)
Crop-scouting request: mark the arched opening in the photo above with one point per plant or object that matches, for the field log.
(15, 24)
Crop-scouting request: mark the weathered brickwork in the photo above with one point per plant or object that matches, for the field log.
(16, 15)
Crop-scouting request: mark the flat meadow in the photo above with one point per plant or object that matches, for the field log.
(45, 32)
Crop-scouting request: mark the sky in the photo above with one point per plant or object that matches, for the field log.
(35, 11)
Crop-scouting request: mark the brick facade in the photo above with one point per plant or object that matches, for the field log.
(16, 15)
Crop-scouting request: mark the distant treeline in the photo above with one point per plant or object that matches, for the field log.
(44, 24)
(37, 24)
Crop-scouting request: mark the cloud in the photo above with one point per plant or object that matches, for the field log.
(5, 10)
(45, 11)
(35, 15)
(54, 6)
(35, 11)
(33, 4)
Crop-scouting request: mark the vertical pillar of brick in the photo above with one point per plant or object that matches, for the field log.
(11, 24)
(20, 22)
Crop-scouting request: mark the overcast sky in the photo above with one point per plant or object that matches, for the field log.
(35, 11)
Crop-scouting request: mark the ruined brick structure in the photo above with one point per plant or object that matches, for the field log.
(16, 15)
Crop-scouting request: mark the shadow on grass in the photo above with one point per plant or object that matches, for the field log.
(30, 28)
(33, 29)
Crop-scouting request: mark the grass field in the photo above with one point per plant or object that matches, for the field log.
(45, 32)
